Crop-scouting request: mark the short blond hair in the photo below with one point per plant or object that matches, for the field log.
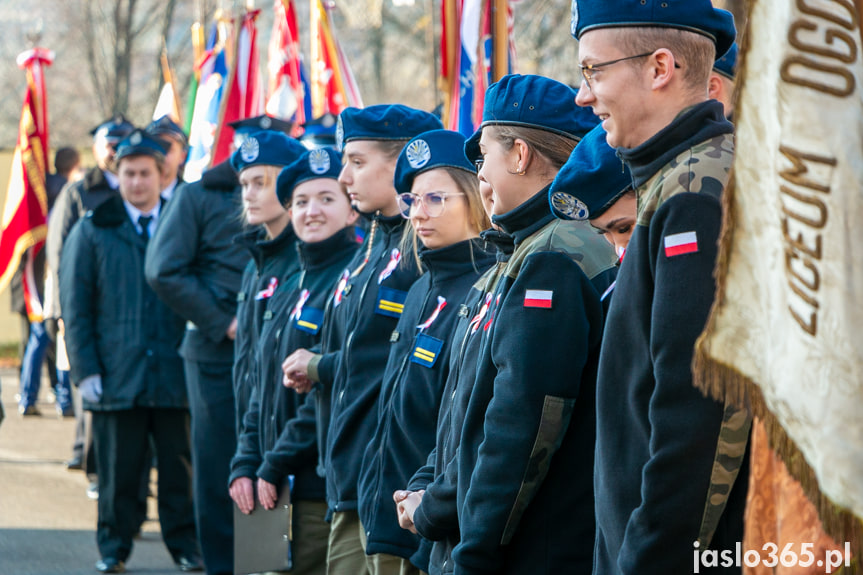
(694, 52)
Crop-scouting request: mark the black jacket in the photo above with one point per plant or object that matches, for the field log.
(115, 325)
(656, 433)
(367, 313)
(410, 396)
(194, 265)
(436, 518)
(278, 437)
(525, 460)
(274, 263)
(75, 200)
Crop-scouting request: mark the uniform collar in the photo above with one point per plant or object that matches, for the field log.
(169, 191)
(261, 247)
(456, 260)
(135, 213)
(502, 241)
(323, 253)
(111, 179)
(390, 224)
(221, 176)
(527, 218)
(693, 125)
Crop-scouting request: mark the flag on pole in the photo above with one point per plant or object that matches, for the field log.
(23, 227)
(245, 96)
(286, 94)
(198, 49)
(168, 103)
(213, 70)
(784, 333)
(474, 57)
(333, 85)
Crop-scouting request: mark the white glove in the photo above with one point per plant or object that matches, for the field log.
(90, 388)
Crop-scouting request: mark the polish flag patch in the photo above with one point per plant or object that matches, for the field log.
(679, 244)
(538, 298)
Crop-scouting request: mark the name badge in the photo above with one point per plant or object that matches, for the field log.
(391, 302)
(426, 350)
(310, 320)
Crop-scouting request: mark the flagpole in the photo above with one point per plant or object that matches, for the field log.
(500, 40)
(314, 58)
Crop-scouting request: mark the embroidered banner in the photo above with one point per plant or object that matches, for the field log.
(785, 329)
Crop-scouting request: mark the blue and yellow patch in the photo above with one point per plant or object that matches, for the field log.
(310, 320)
(426, 350)
(391, 302)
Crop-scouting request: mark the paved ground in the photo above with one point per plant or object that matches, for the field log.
(47, 524)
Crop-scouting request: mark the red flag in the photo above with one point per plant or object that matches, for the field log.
(24, 216)
(286, 93)
(245, 96)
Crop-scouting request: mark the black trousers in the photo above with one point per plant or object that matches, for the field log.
(121, 441)
(214, 440)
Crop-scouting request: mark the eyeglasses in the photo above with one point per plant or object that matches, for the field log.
(478, 163)
(433, 203)
(587, 70)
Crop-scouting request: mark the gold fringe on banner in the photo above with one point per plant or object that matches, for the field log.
(725, 383)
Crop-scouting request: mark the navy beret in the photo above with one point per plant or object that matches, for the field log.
(140, 143)
(165, 125)
(383, 122)
(727, 65)
(266, 148)
(115, 128)
(320, 132)
(430, 150)
(258, 123)
(590, 181)
(694, 15)
(532, 102)
(312, 165)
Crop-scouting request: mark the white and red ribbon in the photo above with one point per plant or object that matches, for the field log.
(395, 257)
(269, 291)
(298, 307)
(441, 303)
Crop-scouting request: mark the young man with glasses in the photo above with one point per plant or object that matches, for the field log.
(667, 457)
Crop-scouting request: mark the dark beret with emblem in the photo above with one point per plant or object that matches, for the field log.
(697, 16)
(590, 181)
(430, 150)
(267, 148)
(259, 123)
(113, 129)
(312, 165)
(727, 64)
(320, 132)
(383, 122)
(140, 143)
(532, 102)
(165, 126)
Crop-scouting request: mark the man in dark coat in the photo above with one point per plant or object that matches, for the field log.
(122, 344)
(667, 458)
(97, 185)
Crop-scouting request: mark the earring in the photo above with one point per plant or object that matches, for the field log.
(523, 172)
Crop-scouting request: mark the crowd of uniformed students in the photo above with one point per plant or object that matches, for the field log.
(459, 355)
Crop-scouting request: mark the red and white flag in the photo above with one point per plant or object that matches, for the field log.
(538, 298)
(679, 244)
